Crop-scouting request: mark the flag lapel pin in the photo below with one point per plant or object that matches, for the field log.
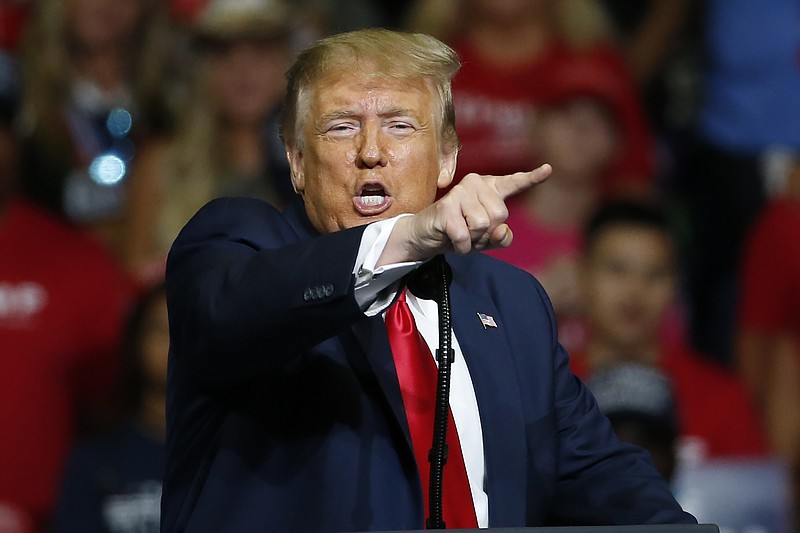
(487, 321)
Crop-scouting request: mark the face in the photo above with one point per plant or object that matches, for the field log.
(629, 282)
(370, 150)
(103, 23)
(247, 78)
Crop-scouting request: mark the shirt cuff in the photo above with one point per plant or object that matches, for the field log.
(375, 287)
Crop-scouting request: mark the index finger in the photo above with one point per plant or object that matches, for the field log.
(512, 184)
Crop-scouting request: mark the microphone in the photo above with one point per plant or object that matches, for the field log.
(431, 281)
(427, 281)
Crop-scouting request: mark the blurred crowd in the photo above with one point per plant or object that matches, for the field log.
(664, 236)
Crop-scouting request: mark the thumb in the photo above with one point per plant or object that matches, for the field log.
(501, 237)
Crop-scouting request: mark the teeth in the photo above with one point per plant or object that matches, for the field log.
(372, 200)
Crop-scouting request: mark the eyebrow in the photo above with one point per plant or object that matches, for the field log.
(349, 113)
(344, 113)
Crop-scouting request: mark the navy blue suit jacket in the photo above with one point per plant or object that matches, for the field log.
(284, 411)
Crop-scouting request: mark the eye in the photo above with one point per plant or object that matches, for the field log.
(401, 127)
(341, 128)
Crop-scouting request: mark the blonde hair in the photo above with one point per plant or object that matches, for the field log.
(384, 52)
(196, 163)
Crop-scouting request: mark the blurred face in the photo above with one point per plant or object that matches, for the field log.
(628, 283)
(102, 23)
(370, 150)
(578, 138)
(247, 79)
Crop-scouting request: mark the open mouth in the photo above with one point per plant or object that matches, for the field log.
(372, 199)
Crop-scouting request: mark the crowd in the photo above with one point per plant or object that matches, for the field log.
(663, 237)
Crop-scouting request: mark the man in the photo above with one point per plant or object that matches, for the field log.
(286, 409)
(629, 276)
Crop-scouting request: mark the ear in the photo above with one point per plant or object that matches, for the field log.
(447, 170)
(295, 158)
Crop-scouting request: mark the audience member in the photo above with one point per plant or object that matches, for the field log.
(227, 139)
(577, 130)
(749, 115)
(112, 482)
(629, 275)
(639, 401)
(509, 52)
(768, 349)
(93, 73)
(660, 40)
(62, 305)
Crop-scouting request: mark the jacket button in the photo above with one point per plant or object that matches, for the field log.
(328, 289)
(307, 295)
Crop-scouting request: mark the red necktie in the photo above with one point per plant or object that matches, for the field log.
(417, 374)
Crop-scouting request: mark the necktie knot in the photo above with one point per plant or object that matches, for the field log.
(400, 319)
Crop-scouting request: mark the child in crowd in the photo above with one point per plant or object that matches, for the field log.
(579, 130)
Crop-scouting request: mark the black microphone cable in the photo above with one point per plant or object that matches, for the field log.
(432, 281)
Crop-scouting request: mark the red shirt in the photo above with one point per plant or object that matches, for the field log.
(770, 301)
(62, 306)
(713, 405)
(496, 107)
(536, 245)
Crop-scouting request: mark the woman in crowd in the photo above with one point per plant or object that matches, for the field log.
(226, 141)
(93, 73)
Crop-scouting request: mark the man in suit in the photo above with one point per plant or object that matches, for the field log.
(286, 408)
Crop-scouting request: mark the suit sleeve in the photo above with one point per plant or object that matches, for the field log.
(245, 294)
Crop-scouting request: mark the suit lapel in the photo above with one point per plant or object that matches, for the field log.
(488, 357)
(491, 367)
(371, 336)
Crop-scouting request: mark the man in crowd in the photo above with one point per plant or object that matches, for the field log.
(294, 403)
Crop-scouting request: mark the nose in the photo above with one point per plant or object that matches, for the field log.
(371, 150)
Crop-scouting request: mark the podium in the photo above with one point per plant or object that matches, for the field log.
(655, 528)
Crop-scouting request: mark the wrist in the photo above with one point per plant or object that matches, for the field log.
(399, 247)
